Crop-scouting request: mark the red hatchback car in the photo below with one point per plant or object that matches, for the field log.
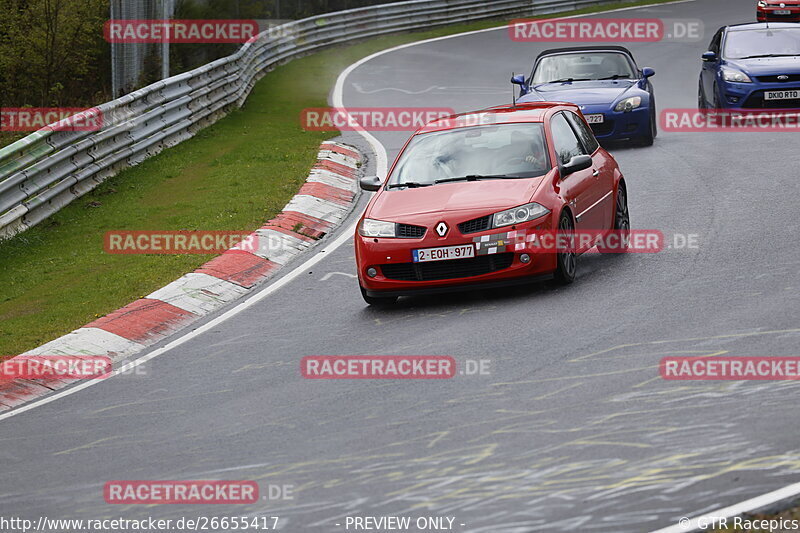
(778, 11)
(467, 195)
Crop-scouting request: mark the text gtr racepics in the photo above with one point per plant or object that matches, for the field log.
(467, 196)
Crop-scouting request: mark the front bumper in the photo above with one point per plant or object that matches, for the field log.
(751, 95)
(497, 261)
(619, 125)
(767, 14)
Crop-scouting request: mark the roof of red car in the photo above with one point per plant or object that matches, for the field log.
(507, 114)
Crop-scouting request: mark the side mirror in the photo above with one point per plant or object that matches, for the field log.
(576, 164)
(370, 183)
(648, 72)
(519, 79)
(710, 56)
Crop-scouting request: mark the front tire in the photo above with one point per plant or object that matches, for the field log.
(566, 260)
(377, 301)
(715, 104)
(702, 102)
(650, 138)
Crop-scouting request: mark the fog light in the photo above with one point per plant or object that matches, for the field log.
(525, 258)
(371, 272)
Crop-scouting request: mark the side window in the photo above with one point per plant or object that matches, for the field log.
(584, 132)
(715, 42)
(565, 142)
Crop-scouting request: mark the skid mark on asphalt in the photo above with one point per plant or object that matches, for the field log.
(569, 378)
(146, 414)
(91, 445)
(329, 275)
(433, 89)
(159, 400)
(515, 459)
(601, 459)
(261, 366)
(694, 339)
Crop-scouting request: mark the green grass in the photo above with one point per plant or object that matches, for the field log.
(233, 175)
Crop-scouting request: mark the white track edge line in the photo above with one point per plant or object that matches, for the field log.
(738, 509)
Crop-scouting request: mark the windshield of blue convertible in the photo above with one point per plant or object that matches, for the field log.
(507, 150)
(583, 67)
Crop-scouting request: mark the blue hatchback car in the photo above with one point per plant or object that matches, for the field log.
(615, 96)
(752, 66)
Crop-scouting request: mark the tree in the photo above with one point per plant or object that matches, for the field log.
(52, 51)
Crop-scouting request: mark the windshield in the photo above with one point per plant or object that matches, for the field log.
(766, 42)
(508, 150)
(588, 66)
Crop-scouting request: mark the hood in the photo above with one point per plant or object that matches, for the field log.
(584, 92)
(394, 205)
(767, 66)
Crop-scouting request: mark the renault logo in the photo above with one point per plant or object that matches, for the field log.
(783, 77)
(442, 229)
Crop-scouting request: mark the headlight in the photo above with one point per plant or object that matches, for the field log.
(629, 104)
(737, 76)
(519, 214)
(762, 3)
(376, 228)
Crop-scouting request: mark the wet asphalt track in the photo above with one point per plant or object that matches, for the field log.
(572, 431)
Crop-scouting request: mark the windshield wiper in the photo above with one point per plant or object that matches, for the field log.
(473, 177)
(769, 55)
(566, 80)
(614, 77)
(409, 184)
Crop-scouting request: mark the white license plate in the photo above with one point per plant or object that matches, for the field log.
(595, 119)
(782, 95)
(445, 253)
(781, 12)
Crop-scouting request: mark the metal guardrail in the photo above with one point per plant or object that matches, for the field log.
(48, 169)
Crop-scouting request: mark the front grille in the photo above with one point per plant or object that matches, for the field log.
(774, 79)
(453, 269)
(756, 101)
(475, 225)
(603, 129)
(407, 231)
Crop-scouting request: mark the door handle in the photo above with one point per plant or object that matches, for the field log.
(596, 173)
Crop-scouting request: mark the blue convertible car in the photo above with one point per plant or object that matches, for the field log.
(616, 97)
